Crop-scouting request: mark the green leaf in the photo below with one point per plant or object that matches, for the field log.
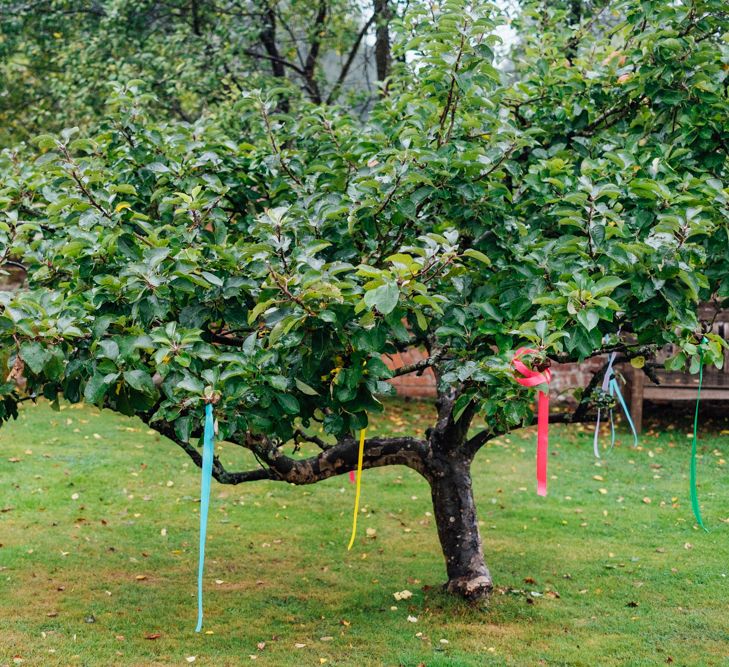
(305, 388)
(278, 382)
(588, 319)
(212, 278)
(183, 428)
(140, 380)
(476, 254)
(289, 403)
(96, 388)
(35, 356)
(606, 285)
(384, 298)
(191, 384)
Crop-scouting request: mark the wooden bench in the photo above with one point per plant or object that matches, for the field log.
(675, 386)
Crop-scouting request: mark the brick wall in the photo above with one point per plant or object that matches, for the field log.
(565, 377)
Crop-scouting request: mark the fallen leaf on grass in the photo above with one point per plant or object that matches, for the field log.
(153, 635)
(141, 577)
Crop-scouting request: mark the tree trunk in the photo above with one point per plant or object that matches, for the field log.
(460, 539)
(383, 16)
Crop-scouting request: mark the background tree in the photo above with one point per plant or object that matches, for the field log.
(264, 260)
(57, 56)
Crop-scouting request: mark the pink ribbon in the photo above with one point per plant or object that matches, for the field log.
(532, 378)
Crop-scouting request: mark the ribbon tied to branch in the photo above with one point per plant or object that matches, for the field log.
(535, 378)
(610, 386)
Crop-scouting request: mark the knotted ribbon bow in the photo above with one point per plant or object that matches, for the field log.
(532, 378)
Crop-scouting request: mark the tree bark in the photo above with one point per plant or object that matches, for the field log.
(455, 517)
(383, 16)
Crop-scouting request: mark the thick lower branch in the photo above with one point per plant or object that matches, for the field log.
(342, 458)
(335, 460)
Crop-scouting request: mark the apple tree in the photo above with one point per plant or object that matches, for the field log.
(574, 201)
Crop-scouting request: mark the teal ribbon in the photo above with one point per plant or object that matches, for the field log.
(615, 389)
(207, 474)
(694, 492)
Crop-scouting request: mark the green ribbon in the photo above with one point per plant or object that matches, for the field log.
(694, 494)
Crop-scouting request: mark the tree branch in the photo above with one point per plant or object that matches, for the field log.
(350, 59)
(300, 436)
(335, 460)
(420, 366)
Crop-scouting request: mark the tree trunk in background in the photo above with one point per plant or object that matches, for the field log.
(460, 539)
(383, 15)
(268, 39)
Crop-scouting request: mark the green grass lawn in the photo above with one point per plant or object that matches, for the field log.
(98, 555)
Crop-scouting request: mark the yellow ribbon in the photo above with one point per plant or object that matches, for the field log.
(360, 459)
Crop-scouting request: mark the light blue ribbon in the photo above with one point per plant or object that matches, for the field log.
(207, 473)
(610, 386)
(615, 390)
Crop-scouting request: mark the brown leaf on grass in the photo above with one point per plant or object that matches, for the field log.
(530, 580)
(141, 577)
(153, 635)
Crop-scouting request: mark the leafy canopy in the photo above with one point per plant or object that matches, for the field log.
(268, 259)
